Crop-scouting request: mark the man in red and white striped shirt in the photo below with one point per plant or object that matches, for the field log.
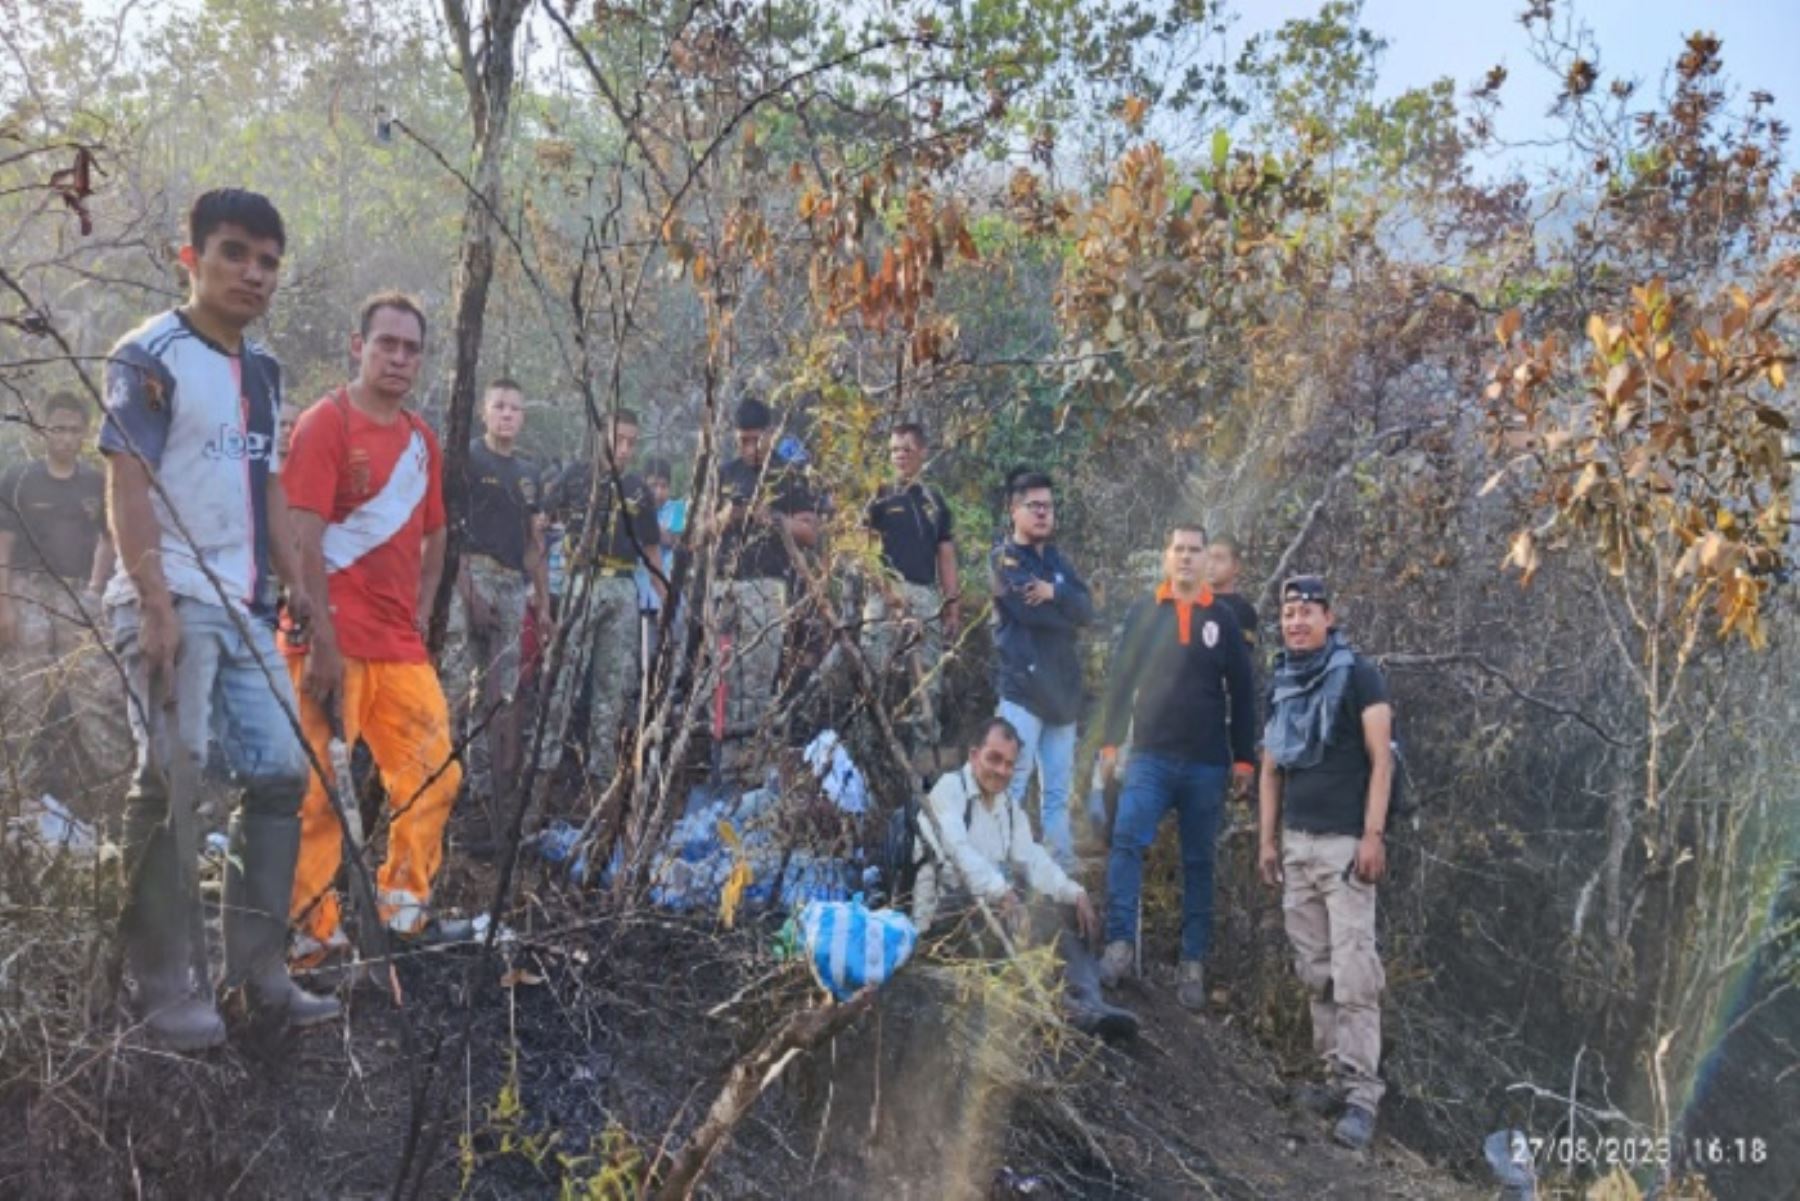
(365, 484)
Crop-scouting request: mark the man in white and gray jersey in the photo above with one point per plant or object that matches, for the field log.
(201, 527)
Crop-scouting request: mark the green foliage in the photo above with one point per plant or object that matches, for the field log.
(610, 1168)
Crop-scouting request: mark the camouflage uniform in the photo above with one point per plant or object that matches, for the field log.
(907, 662)
(749, 600)
(605, 639)
(751, 614)
(481, 666)
(603, 645)
(915, 525)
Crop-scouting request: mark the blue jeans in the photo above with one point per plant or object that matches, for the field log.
(1153, 785)
(1051, 750)
(225, 685)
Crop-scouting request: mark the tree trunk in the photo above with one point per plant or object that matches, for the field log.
(488, 74)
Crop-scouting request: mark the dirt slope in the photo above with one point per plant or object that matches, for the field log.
(610, 1044)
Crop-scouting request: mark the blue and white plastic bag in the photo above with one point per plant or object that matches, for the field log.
(851, 946)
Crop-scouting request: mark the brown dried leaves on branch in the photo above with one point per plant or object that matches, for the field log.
(1663, 441)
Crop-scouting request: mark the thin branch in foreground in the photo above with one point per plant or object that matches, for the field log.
(748, 1077)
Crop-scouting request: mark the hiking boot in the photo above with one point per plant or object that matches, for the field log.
(1320, 1100)
(1116, 963)
(1356, 1129)
(259, 883)
(1190, 988)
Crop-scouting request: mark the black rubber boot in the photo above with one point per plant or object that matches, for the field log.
(1086, 1008)
(259, 883)
(155, 927)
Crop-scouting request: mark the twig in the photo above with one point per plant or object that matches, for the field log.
(1482, 665)
(1375, 442)
(747, 1080)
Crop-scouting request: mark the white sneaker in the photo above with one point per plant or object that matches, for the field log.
(408, 920)
(1191, 987)
(306, 951)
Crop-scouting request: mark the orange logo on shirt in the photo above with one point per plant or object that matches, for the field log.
(359, 471)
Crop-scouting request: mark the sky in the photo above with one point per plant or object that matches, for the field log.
(1428, 39)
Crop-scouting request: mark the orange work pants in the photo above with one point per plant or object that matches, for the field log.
(398, 709)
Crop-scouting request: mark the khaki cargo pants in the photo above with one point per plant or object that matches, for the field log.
(57, 654)
(908, 663)
(1330, 921)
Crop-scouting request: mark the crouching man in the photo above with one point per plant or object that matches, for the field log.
(980, 847)
(1328, 762)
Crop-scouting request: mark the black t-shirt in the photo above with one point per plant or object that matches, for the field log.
(1330, 798)
(1245, 612)
(913, 522)
(757, 550)
(55, 524)
(502, 494)
(614, 543)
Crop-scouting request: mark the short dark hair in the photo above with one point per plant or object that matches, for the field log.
(1185, 526)
(912, 429)
(619, 417)
(1026, 480)
(986, 729)
(65, 402)
(250, 211)
(390, 298)
(1231, 544)
(752, 414)
(658, 469)
(504, 384)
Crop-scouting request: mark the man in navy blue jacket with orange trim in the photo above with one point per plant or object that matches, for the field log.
(1181, 682)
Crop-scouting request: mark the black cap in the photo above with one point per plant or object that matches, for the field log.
(752, 414)
(1307, 589)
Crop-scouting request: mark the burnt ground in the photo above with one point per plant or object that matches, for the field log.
(610, 1047)
(596, 1046)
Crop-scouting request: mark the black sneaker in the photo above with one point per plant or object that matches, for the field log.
(1356, 1129)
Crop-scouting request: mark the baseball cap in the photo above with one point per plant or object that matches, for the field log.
(1307, 589)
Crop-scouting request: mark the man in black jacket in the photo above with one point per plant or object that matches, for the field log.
(1040, 604)
(1181, 681)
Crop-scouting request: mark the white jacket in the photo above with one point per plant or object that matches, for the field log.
(977, 856)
